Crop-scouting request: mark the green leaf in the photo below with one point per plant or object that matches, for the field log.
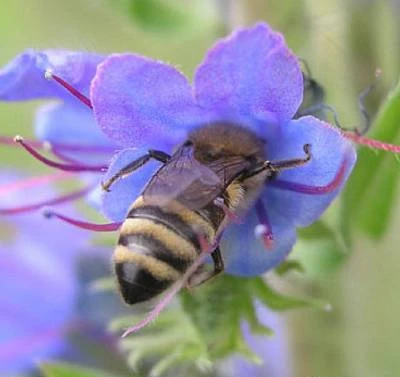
(370, 191)
(172, 327)
(218, 309)
(320, 256)
(279, 302)
(166, 16)
(70, 370)
(321, 249)
(288, 266)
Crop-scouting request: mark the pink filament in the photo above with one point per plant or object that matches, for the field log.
(109, 227)
(312, 190)
(267, 235)
(32, 182)
(62, 166)
(50, 202)
(85, 100)
(362, 140)
(10, 141)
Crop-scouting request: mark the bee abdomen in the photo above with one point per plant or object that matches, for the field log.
(154, 251)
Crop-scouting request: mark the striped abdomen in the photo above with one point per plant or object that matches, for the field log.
(155, 248)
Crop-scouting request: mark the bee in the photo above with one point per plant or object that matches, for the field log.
(220, 168)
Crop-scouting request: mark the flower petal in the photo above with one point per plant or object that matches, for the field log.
(245, 255)
(23, 77)
(140, 102)
(73, 124)
(115, 204)
(252, 72)
(329, 151)
(38, 301)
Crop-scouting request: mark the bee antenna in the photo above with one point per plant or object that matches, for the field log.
(366, 117)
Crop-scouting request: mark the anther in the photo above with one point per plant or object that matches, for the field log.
(62, 166)
(49, 75)
(263, 230)
(108, 227)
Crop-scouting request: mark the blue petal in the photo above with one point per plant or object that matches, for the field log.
(329, 151)
(141, 102)
(37, 304)
(245, 255)
(274, 351)
(23, 77)
(249, 73)
(124, 192)
(74, 124)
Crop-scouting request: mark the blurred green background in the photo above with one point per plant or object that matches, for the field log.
(344, 42)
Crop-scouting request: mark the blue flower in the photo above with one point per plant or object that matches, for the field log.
(45, 295)
(39, 289)
(273, 351)
(252, 79)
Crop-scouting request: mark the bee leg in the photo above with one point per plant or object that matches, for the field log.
(134, 165)
(274, 167)
(201, 276)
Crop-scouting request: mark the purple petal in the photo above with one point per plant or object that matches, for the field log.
(124, 192)
(13, 189)
(249, 73)
(140, 102)
(245, 255)
(329, 151)
(23, 77)
(274, 351)
(74, 124)
(37, 304)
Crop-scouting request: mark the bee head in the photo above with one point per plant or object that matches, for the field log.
(219, 140)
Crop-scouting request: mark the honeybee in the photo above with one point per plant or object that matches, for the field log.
(220, 167)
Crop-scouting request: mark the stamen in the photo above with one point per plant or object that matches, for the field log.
(50, 202)
(65, 167)
(60, 155)
(376, 144)
(109, 227)
(8, 140)
(32, 182)
(50, 75)
(98, 149)
(263, 229)
(311, 190)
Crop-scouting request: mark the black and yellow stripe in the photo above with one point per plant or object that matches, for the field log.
(156, 246)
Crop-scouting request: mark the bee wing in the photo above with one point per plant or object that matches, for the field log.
(192, 183)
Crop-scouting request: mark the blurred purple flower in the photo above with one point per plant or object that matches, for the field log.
(250, 78)
(39, 288)
(273, 350)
